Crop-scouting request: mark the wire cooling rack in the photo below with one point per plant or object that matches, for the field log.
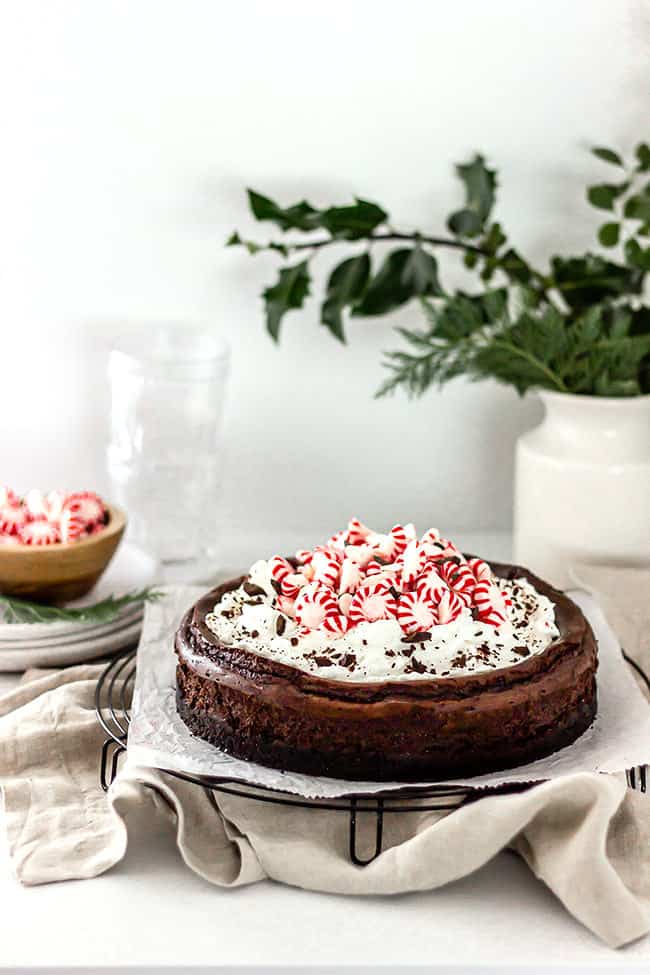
(112, 706)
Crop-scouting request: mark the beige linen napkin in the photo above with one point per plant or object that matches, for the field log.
(586, 836)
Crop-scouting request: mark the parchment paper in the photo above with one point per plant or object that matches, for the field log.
(618, 739)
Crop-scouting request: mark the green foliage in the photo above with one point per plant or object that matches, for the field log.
(579, 325)
(14, 610)
(346, 284)
(290, 291)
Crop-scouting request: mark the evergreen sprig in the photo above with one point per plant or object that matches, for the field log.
(15, 610)
(578, 326)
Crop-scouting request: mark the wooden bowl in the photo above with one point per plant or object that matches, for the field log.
(58, 573)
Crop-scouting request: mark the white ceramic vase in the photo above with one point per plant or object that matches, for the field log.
(582, 485)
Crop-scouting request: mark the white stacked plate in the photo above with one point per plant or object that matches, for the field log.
(56, 644)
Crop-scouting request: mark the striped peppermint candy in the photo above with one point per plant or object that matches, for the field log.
(412, 562)
(8, 497)
(490, 604)
(450, 607)
(87, 505)
(416, 613)
(351, 576)
(12, 518)
(292, 584)
(460, 578)
(286, 606)
(480, 570)
(361, 555)
(39, 532)
(356, 533)
(326, 567)
(372, 601)
(304, 556)
(431, 585)
(314, 603)
(36, 505)
(337, 542)
(336, 625)
(345, 601)
(280, 568)
(71, 527)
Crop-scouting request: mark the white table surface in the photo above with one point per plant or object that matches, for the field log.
(150, 910)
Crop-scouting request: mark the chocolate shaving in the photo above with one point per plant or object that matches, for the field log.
(280, 625)
(252, 590)
(417, 637)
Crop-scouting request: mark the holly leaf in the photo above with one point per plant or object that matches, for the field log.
(421, 272)
(465, 223)
(516, 268)
(289, 292)
(608, 234)
(346, 284)
(402, 276)
(300, 216)
(585, 281)
(355, 221)
(607, 155)
(480, 186)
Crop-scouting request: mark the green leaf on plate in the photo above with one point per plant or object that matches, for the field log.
(16, 610)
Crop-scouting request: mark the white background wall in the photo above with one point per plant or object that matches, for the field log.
(128, 131)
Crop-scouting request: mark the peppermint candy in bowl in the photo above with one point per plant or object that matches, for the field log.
(55, 546)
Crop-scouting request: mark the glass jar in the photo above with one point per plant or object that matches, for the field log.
(165, 457)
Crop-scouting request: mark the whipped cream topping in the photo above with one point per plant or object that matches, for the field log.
(379, 650)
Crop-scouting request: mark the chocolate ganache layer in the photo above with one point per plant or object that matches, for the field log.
(415, 728)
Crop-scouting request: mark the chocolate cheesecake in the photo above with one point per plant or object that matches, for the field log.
(386, 657)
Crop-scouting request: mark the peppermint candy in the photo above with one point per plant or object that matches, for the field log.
(361, 555)
(351, 576)
(336, 625)
(490, 603)
(480, 570)
(55, 501)
(450, 607)
(279, 568)
(39, 532)
(372, 602)
(71, 527)
(313, 604)
(325, 567)
(286, 606)
(345, 601)
(416, 613)
(460, 578)
(356, 533)
(87, 505)
(337, 541)
(412, 563)
(35, 504)
(8, 497)
(431, 585)
(291, 584)
(12, 518)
